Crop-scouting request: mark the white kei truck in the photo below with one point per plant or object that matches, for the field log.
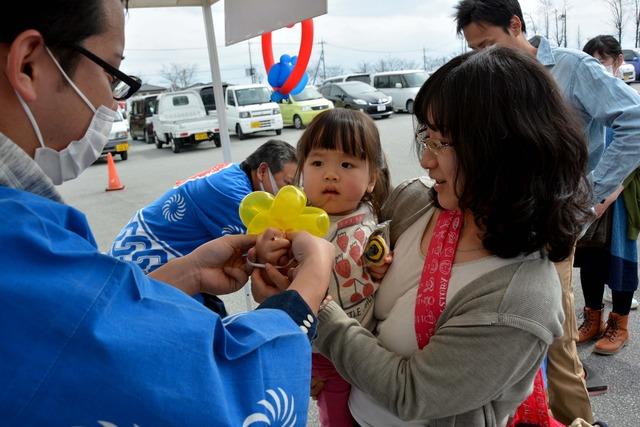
(180, 119)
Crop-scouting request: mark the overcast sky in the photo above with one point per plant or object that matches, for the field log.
(354, 31)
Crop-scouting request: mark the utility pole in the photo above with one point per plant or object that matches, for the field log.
(324, 70)
(424, 58)
(564, 25)
(252, 72)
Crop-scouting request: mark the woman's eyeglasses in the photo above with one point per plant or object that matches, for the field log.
(433, 145)
(123, 85)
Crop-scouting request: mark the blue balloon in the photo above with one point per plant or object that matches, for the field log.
(277, 96)
(274, 75)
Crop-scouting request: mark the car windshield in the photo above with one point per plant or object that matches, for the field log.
(254, 95)
(416, 79)
(307, 94)
(357, 87)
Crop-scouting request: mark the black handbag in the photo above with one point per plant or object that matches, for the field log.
(598, 234)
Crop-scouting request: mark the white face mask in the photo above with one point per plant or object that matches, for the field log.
(71, 161)
(272, 179)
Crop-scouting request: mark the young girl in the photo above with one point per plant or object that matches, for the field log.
(342, 168)
(343, 171)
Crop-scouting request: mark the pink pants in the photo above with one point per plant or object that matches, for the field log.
(333, 400)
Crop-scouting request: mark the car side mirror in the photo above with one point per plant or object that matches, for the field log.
(398, 85)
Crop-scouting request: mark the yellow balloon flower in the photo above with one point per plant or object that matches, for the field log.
(287, 211)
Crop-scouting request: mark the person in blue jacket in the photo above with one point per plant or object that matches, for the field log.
(89, 339)
(202, 208)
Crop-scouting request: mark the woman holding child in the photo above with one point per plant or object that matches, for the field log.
(471, 301)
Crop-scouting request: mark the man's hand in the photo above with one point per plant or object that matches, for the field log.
(310, 278)
(272, 247)
(217, 267)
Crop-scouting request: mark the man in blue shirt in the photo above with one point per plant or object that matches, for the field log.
(202, 208)
(602, 101)
(89, 339)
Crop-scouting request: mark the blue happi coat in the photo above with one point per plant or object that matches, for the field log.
(88, 339)
(201, 208)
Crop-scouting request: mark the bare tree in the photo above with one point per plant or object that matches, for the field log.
(637, 21)
(365, 67)
(532, 28)
(546, 8)
(579, 38)
(393, 63)
(618, 16)
(179, 76)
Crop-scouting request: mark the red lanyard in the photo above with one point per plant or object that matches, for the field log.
(436, 272)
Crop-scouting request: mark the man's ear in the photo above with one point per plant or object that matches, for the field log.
(515, 26)
(262, 170)
(26, 54)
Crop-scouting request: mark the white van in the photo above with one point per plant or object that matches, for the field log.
(249, 110)
(402, 86)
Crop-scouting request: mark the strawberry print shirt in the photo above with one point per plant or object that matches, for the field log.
(351, 286)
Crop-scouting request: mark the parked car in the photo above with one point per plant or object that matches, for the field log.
(180, 119)
(627, 73)
(118, 143)
(358, 96)
(632, 56)
(300, 109)
(250, 109)
(402, 86)
(358, 77)
(141, 110)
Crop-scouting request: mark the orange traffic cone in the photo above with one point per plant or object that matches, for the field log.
(114, 180)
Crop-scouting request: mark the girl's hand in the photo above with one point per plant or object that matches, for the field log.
(378, 272)
(272, 247)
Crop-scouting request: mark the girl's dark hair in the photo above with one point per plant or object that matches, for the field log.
(353, 133)
(603, 45)
(62, 23)
(521, 151)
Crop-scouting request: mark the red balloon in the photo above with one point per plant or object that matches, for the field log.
(304, 53)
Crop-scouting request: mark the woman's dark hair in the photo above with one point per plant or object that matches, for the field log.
(603, 45)
(521, 152)
(62, 23)
(494, 12)
(353, 133)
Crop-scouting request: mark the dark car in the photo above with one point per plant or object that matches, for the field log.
(358, 96)
(141, 112)
(632, 56)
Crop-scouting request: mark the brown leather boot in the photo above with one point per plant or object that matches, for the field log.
(592, 326)
(615, 336)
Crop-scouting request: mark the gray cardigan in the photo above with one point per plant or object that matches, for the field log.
(481, 361)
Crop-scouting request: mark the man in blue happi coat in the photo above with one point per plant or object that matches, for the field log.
(89, 339)
(202, 207)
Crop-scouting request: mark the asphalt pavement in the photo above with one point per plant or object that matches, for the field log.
(150, 171)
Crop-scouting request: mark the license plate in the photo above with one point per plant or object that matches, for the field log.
(382, 108)
(255, 125)
(122, 147)
(201, 136)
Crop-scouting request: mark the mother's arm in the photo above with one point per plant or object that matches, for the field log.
(462, 368)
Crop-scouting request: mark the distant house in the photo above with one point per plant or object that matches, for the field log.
(147, 89)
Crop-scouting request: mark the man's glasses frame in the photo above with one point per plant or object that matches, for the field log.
(132, 83)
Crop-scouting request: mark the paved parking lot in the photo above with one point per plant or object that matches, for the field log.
(150, 171)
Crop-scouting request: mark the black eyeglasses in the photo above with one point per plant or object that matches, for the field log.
(123, 85)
